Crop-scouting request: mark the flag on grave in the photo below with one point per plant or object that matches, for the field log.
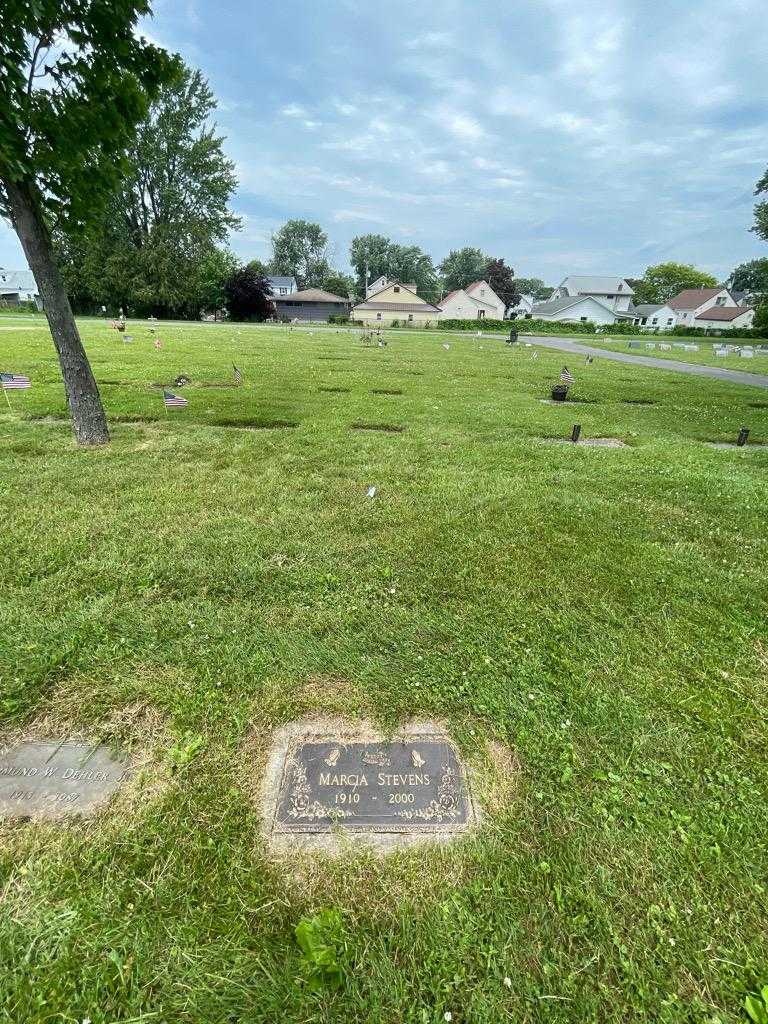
(158, 343)
(14, 382)
(237, 375)
(566, 376)
(173, 401)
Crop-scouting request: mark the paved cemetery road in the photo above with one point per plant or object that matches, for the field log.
(695, 369)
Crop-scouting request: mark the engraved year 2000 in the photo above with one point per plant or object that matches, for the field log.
(401, 798)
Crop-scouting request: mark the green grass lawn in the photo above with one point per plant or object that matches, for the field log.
(217, 572)
(706, 354)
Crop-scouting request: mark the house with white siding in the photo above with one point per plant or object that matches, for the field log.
(478, 301)
(614, 292)
(690, 302)
(725, 317)
(18, 286)
(579, 309)
(280, 286)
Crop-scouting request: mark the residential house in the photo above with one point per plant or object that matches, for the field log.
(652, 317)
(524, 306)
(311, 304)
(725, 317)
(690, 302)
(18, 286)
(395, 301)
(614, 292)
(280, 286)
(579, 309)
(478, 301)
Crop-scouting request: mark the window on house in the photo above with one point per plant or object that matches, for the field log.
(396, 288)
(283, 291)
(655, 320)
(720, 301)
(481, 314)
(482, 291)
(378, 316)
(670, 320)
(410, 316)
(583, 319)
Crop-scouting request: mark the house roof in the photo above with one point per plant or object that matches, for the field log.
(595, 284)
(645, 309)
(457, 291)
(17, 281)
(403, 307)
(281, 282)
(558, 305)
(312, 295)
(692, 298)
(725, 313)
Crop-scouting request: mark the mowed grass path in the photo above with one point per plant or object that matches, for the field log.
(599, 613)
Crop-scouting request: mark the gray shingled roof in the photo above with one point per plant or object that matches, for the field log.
(597, 285)
(644, 309)
(12, 281)
(281, 282)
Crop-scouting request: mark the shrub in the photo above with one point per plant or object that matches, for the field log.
(338, 318)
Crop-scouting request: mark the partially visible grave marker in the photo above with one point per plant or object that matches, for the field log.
(57, 779)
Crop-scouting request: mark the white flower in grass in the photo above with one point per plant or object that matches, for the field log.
(447, 1015)
(508, 983)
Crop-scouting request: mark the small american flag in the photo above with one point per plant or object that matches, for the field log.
(158, 343)
(237, 374)
(14, 382)
(566, 376)
(174, 401)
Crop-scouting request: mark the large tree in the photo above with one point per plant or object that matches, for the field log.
(663, 281)
(300, 249)
(463, 266)
(247, 295)
(156, 242)
(376, 255)
(502, 279)
(369, 256)
(410, 265)
(533, 286)
(76, 79)
(339, 284)
(751, 277)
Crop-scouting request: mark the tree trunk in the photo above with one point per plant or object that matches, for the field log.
(88, 420)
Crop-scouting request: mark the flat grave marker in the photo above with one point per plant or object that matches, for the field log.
(55, 779)
(324, 784)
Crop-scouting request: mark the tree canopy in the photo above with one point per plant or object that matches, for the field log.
(533, 286)
(154, 247)
(247, 294)
(663, 281)
(76, 79)
(300, 250)
(502, 279)
(463, 266)
(751, 277)
(406, 263)
(761, 209)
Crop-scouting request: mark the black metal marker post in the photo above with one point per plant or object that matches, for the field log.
(576, 432)
(742, 438)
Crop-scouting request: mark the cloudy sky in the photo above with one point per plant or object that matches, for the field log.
(564, 135)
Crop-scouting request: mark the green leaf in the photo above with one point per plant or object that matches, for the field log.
(756, 1009)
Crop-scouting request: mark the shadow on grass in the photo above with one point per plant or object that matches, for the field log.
(384, 428)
